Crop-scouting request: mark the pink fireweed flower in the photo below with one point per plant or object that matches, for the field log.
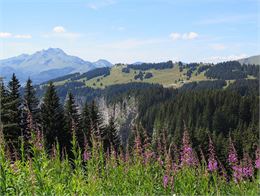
(247, 166)
(148, 155)
(39, 141)
(165, 181)
(159, 146)
(212, 162)
(187, 154)
(175, 168)
(232, 155)
(212, 165)
(223, 171)
(160, 161)
(237, 173)
(257, 158)
(138, 144)
(86, 153)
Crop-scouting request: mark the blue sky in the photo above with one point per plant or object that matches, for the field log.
(132, 30)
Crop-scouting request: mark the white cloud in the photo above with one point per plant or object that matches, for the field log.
(5, 35)
(218, 46)
(175, 36)
(190, 35)
(61, 32)
(59, 29)
(18, 36)
(25, 36)
(185, 36)
(216, 59)
(95, 5)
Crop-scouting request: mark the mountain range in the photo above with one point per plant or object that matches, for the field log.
(52, 63)
(47, 64)
(250, 60)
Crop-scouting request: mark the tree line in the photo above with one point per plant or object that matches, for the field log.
(232, 70)
(24, 116)
(218, 113)
(147, 66)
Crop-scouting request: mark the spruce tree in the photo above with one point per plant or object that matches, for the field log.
(52, 118)
(30, 110)
(111, 135)
(86, 123)
(12, 129)
(97, 127)
(72, 119)
(3, 106)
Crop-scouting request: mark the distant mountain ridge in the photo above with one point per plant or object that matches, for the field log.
(250, 60)
(47, 64)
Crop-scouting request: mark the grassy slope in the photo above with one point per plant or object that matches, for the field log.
(166, 77)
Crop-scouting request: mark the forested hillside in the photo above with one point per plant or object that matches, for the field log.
(207, 112)
(173, 129)
(205, 108)
(168, 74)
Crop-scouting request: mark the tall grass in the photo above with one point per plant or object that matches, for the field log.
(139, 171)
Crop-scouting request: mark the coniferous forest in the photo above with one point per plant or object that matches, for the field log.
(198, 136)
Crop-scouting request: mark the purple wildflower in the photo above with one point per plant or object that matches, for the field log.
(212, 162)
(212, 165)
(257, 158)
(165, 181)
(164, 142)
(232, 155)
(86, 154)
(223, 171)
(39, 141)
(138, 144)
(187, 154)
(160, 161)
(159, 146)
(148, 154)
(237, 173)
(247, 166)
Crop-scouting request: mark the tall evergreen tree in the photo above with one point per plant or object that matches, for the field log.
(12, 130)
(3, 106)
(52, 118)
(72, 118)
(30, 109)
(110, 135)
(97, 127)
(86, 123)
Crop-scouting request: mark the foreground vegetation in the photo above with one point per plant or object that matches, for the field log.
(140, 170)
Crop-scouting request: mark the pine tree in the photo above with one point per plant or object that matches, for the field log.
(72, 119)
(12, 129)
(86, 123)
(52, 118)
(97, 127)
(3, 106)
(110, 135)
(30, 108)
